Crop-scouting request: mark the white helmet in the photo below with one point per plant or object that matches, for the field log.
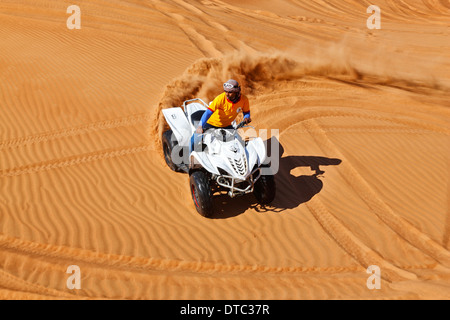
(231, 86)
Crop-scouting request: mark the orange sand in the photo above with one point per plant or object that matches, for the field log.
(83, 181)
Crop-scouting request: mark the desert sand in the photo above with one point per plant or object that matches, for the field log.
(83, 180)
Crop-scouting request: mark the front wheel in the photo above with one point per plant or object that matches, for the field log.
(201, 193)
(265, 189)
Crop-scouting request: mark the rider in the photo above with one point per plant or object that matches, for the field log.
(224, 109)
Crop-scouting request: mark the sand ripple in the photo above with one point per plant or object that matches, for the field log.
(363, 120)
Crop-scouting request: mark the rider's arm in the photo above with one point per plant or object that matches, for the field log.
(246, 111)
(205, 117)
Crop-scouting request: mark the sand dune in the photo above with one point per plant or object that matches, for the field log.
(83, 181)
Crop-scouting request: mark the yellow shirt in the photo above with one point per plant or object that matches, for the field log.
(224, 111)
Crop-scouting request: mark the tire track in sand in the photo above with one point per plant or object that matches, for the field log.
(216, 27)
(205, 46)
(352, 245)
(18, 150)
(7, 280)
(75, 160)
(403, 228)
(118, 261)
(75, 131)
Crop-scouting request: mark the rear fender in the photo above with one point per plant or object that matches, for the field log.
(179, 124)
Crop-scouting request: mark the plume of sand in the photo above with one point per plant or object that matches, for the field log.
(260, 72)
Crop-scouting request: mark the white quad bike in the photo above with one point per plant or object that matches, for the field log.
(220, 160)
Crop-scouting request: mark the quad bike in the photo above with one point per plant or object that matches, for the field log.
(221, 160)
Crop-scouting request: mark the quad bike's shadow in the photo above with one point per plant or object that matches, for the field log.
(291, 192)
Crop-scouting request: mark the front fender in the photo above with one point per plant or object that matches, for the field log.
(201, 160)
(257, 152)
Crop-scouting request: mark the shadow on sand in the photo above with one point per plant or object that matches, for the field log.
(292, 190)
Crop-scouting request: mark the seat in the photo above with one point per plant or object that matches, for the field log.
(196, 117)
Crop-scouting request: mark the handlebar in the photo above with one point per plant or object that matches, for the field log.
(241, 124)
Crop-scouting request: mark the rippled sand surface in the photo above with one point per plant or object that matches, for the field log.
(364, 129)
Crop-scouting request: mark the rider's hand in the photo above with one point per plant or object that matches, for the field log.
(199, 130)
(247, 120)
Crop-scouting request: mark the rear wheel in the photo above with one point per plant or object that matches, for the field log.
(265, 189)
(169, 144)
(201, 193)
